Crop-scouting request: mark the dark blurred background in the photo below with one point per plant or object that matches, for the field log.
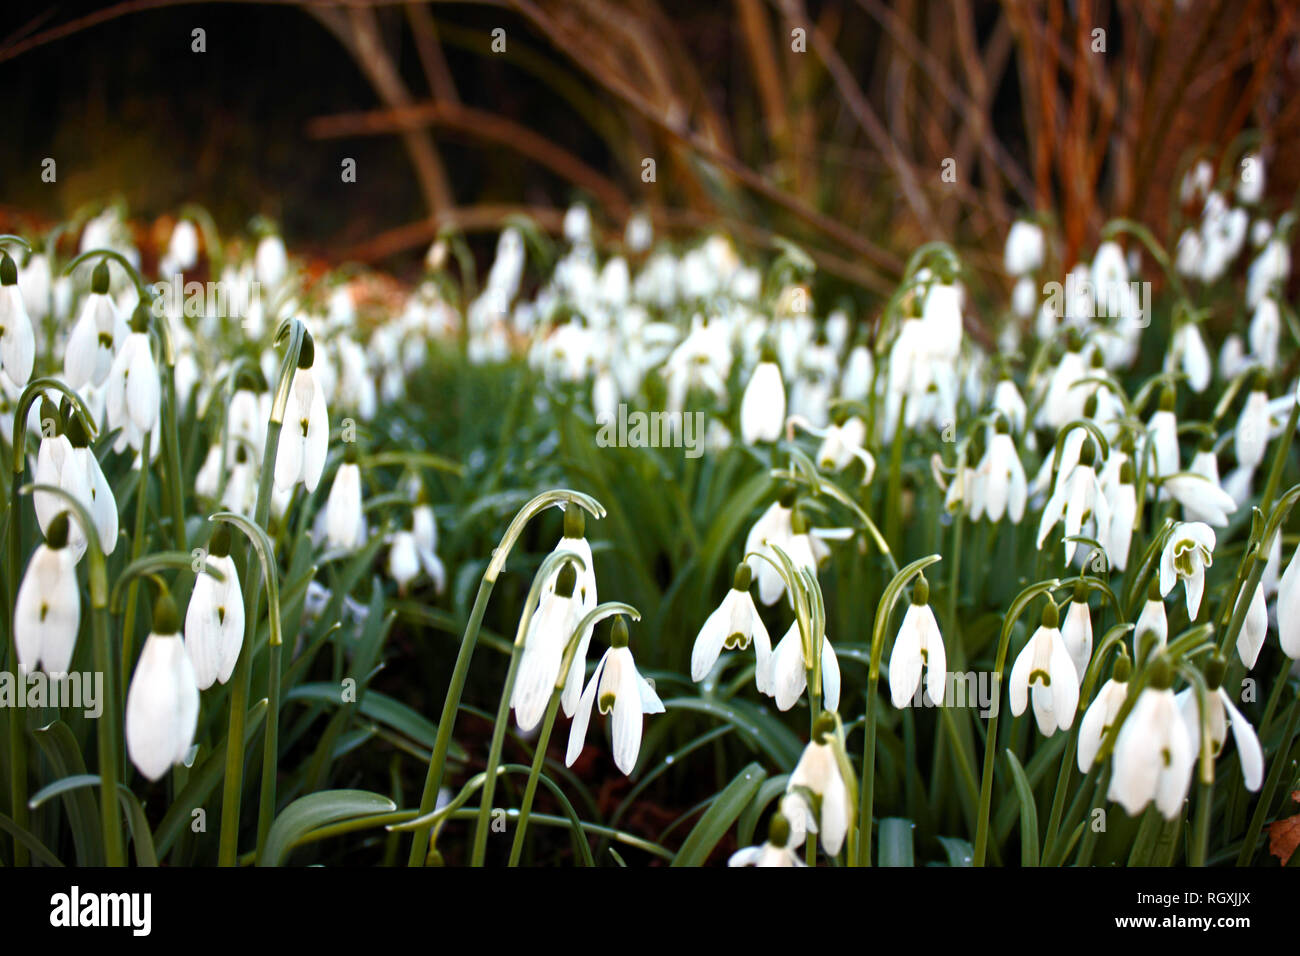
(835, 136)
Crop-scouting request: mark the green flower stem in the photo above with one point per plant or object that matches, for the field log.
(270, 748)
(534, 771)
(552, 565)
(539, 754)
(866, 805)
(137, 548)
(228, 848)
(451, 704)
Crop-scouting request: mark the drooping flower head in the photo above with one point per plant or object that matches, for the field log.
(17, 340)
(1045, 671)
(734, 625)
(47, 610)
(1188, 551)
(162, 706)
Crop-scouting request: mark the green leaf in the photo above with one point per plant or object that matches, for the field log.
(1028, 813)
(960, 852)
(896, 842)
(382, 709)
(143, 839)
(40, 852)
(317, 810)
(60, 747)
(717, 820)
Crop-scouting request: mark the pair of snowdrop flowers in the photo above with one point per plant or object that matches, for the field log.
(616, 686)
(784, 526)
(162, 705)
(413, 550)
(780, 672)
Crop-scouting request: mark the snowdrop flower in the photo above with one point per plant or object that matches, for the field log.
(162, 706)
(214, 620)
(999, 484)
(732, 626)
(182, 249)
(779, 850)
(1122, 499)
(1250, 437)
(58, 465)
(100, 502)
(1163, 429)
(1154, 756)
(1203, 500)
(17, 340)
(1250, 641)
(1008, 401)
(859, 371)
(762, 408)
(774, 527)
(842, 442)
(95, 337)
(918, 644)
(1063, 402)
(304, 441)
(1223, 713)
(821, 773)
(1265, 329)
(36, 285)
(1288, 608)
(133, 390)
(789, 671)
(1045, 668)
(1024, 250)
(1101, 713)
(1270, 270)
(1152, 629)
(345, 522)
(403, 559)
(639, 233)
(424, 532)
(270, 261)
(1193, 356)
(1076, 631)
(1250, 184)
(47, 610)
(1187, 553)
(617, 686)
(1024, 297)
(1076, 497)
(549, 630)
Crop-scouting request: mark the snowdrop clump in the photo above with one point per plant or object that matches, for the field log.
(263, 521)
